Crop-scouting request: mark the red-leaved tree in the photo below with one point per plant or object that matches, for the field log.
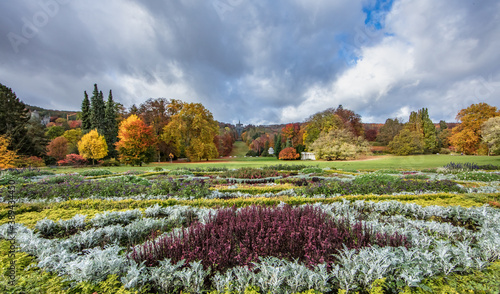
(58, 148)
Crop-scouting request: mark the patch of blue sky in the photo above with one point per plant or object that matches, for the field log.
(347, 51)
(376, 12)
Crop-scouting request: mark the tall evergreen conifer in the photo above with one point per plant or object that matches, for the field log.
(111, 133)
(97, 113)
(86, 123)
(277, 145)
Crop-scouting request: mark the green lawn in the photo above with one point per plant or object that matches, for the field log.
(239, 149)
(415, 162)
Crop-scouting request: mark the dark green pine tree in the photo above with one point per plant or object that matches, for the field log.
(97, 111)
(277, 145)
(111, 133)
(26, 138)
(86, 123)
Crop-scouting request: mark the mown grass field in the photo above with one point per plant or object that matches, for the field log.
(414, 162)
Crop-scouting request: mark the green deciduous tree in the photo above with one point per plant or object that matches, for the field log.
(192, 130)
(407, 142)
(389, 130)
(421, 122)
(93, 145)
(54, 132)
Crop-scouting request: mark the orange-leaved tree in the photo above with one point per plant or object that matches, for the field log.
(7, 157)
(136, 143)
(289, 154)
(467, 135)
(93, 146)
(292, 132)
(58, 148)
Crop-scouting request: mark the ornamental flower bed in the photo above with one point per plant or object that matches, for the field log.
(232, 238)
(430, 241)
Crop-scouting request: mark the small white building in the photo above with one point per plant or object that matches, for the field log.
(271, 151)
(307, 156)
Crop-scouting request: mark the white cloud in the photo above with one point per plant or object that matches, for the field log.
(263, 62)
(432, 58)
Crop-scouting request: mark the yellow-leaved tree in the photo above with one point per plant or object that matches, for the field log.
(467, 135)
(7, 157)
(192, 131)
(92, 145)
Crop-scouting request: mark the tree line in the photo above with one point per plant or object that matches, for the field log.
(158, 130)
(163, 129)
(338, 133)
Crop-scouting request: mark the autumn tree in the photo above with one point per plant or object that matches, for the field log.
(443, 135)
(7, 157)
(288, 154)
(491, 135)
(371, 134)
(93, 146)
(258, 145)
(293, 133)
(225, 140)
(389, 130)
(157, 113)
(136, 142)
(192, 131)
(350, 119)
(339, 144)
(58, 148)
(466, 137)
(321, 122)
(73, 136)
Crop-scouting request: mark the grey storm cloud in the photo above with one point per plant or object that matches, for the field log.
(260, 62)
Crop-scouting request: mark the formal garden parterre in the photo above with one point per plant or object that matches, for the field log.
(276, 229)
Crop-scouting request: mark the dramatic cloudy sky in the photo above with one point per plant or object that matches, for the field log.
(258, 61)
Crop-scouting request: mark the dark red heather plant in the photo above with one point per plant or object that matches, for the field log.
(233, 238)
